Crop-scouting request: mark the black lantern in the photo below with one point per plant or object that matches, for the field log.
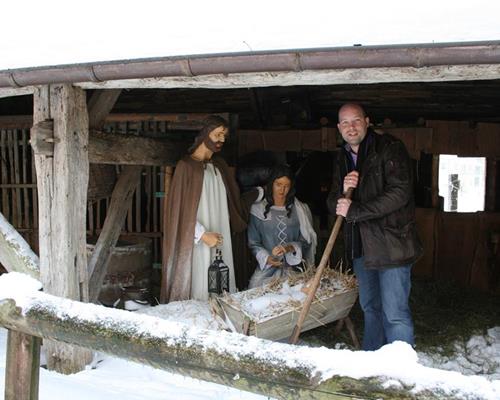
(218, 275)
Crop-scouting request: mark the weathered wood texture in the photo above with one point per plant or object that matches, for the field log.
(62, 189)
(464, 139)
(100, 105)
(121, 200)
(286, 140)
(107, 148)
(281, 326)
(102, 178)
(458, 248)
(22, 370)
(350, 76)
(15, 254)
(426, 228)
(18, 193)
(191, 354)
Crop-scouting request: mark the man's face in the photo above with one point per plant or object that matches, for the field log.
(353, 125)
(216, 139)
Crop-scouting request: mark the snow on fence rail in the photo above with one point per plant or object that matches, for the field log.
(248, 363)
(275, 369)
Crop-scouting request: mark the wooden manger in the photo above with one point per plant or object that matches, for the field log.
(331, 304)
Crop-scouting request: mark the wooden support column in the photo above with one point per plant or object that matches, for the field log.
(62, 199)
(22, 371)
(167, 180)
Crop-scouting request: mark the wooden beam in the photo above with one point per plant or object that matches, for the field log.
(16, 121)
(62, 196)
(22, 370)
(12, 92)
(121, 199)
(350, 76)
(179, 118)
(196, 354)
(100, 105)
(107, 148)
(178, 121)
(15, 254)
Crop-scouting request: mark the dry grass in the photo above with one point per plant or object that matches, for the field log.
(333, 282)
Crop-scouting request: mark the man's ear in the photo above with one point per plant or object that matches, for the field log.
(367, 119)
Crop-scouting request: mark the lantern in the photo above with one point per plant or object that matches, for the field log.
(218, 275)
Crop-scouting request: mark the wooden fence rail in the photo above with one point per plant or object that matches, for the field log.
(246, 363)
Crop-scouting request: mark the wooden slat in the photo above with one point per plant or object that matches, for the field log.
(34, 195)
(5, 179)
(149, 199)
(138, 208)
(15, 200)
(24, 166)
(17, 179)
(90, 218)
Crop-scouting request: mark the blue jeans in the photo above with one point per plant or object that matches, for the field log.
(383, 296)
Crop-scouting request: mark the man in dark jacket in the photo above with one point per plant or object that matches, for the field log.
(380, 234)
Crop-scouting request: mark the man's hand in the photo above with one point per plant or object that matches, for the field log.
(212, 239)
(351, 180)
(343, 207)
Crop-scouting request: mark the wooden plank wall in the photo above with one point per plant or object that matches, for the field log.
(144, 218)
(18, 199)
(458, 248)
(451, 137)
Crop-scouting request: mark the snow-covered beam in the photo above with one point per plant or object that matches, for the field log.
(15, 252)
(248, 363)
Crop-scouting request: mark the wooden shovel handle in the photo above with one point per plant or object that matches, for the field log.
(317, 276)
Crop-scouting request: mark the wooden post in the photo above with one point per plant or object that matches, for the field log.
(62, 196)
(167, 179)
(23, 366)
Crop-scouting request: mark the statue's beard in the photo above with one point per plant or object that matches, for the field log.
(214, 147)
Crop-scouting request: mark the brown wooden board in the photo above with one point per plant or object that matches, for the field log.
(426, 220)
(281, 326)
(457, 239)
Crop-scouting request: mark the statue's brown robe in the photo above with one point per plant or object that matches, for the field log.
(180, 220)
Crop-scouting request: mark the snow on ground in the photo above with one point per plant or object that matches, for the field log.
(114, 379)
(397, 364)
(480, 355)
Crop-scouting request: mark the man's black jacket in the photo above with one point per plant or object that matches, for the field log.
(381, 219)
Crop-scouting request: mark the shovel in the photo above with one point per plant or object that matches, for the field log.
(313, 287)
